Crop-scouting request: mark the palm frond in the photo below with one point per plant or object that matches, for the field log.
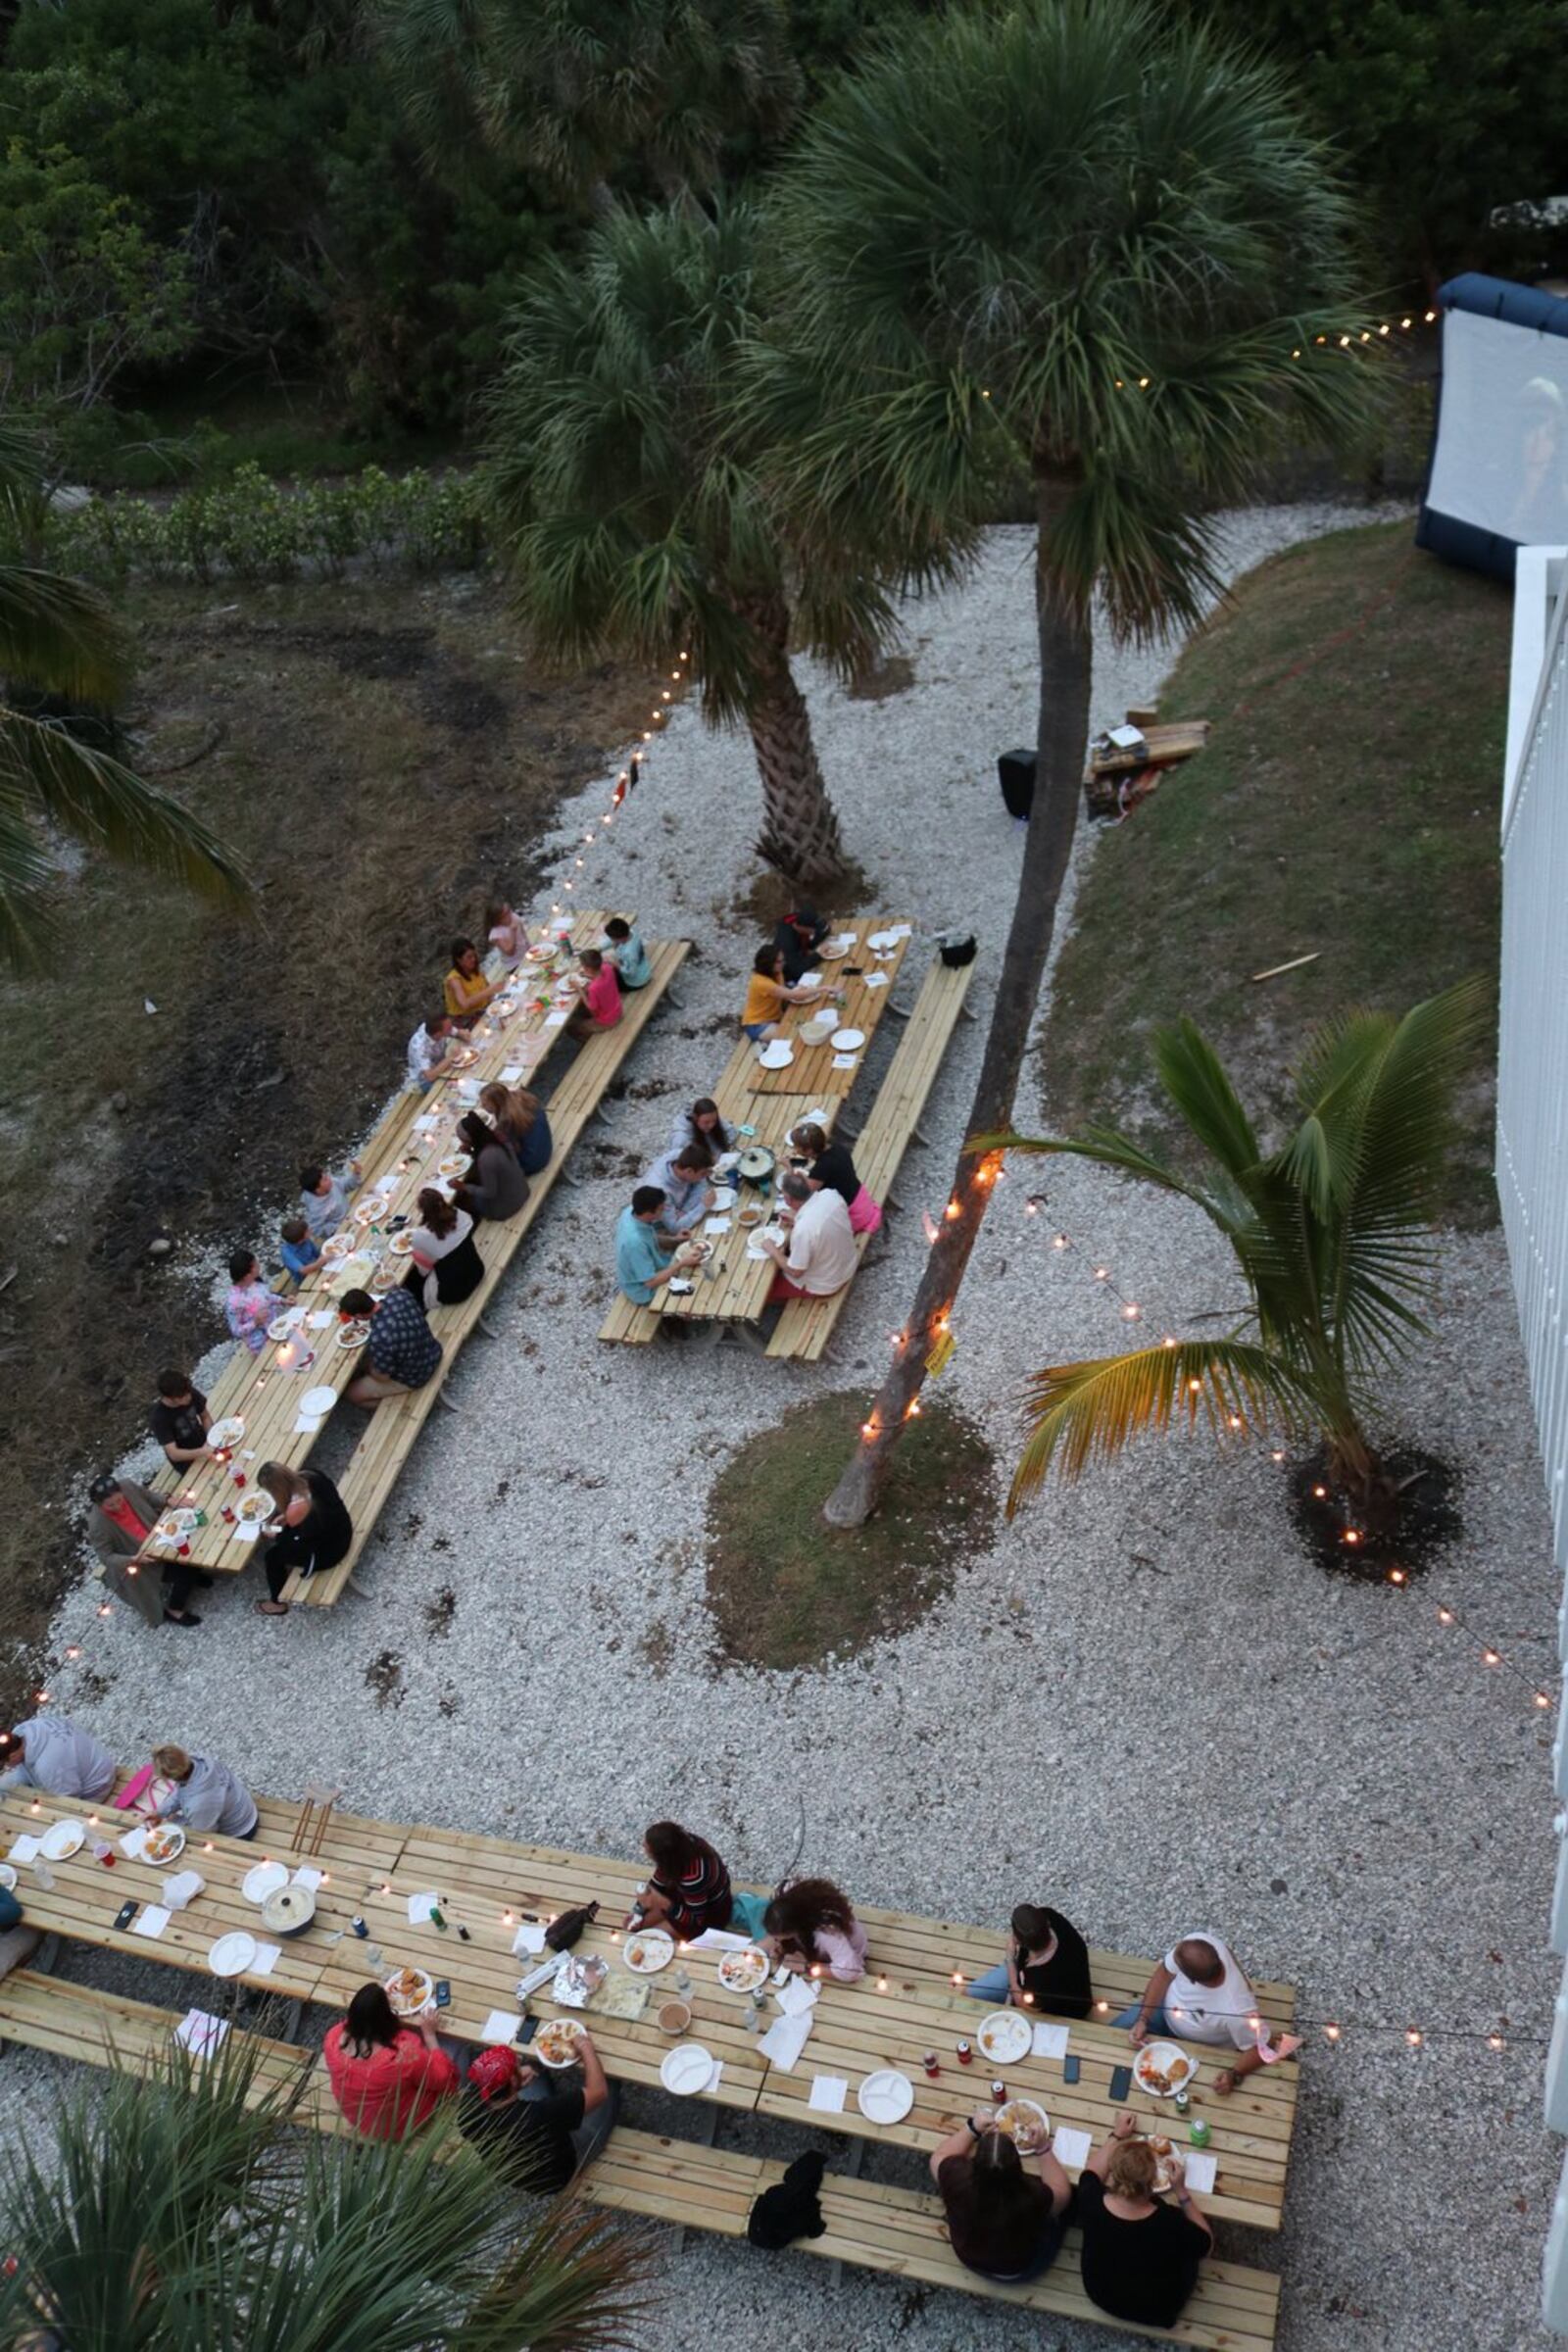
(1110, 1149)
(577, 2281)
(1196, 1081)
(60, 637)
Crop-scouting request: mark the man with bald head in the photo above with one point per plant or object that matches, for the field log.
(1200, 1992)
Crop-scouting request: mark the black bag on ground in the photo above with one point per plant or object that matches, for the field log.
(790, 2208)
(563, 1932)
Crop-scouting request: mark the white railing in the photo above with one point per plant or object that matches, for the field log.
(1533, 1149)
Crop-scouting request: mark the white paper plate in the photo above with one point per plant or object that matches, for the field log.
(744, 1971)
(886, 2096)
(723, 1196)
(884, 939)
(225, 1433)
(687, 2068)
(556, 2042)
(352, 1337)
(317, 1400)
(844, 1041)
(233, 1954)
(648, 1951)
(7, 1876)
(778, 1056)
(175, 1847)
(254, 1508)
(1005, 2037)
(1159, 2054)
(61, 1839)
(284, 1327)
(417, 2005)
(1026, 2124)
(263, 1880)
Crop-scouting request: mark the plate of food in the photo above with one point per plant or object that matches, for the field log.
(182, 1521)
(1026, 2124)
(383, 1280)
(556, 2042)
(163, 1842)
(694, 1254)
(885, 2097)
(411, 1992)
(339, 1245)
(753, 1213)
(228, 1432)
(1005, 2037)
(454, 1166)
(744, 1971)
(1166, 2162)
(402, 1245)
(365, 1213)
(284, 1327)
(352, 1335)
(844, 1041)
(648, 1951)
(233, 1954)
(61, 1839)
(723, 1196)
(685, 2070)
(833, 950)
(1163, 2068)
(263, 1880)
(254, 1510)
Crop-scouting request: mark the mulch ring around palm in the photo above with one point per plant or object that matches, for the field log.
(1417, 1513)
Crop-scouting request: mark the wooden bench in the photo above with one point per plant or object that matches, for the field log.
(807, 1325)
(901, 2231)
(373, 1466)
(628, 1322)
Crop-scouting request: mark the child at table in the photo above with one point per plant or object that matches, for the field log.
(301, 1255)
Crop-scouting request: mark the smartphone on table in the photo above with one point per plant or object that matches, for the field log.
(1121, 2083)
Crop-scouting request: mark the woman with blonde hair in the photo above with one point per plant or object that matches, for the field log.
(518, 1118)
(312, 1527)
(1140, 2255)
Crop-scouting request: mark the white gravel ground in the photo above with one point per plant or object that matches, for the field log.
(1144, 1705)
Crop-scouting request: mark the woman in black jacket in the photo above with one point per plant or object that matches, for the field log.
(313, 1528)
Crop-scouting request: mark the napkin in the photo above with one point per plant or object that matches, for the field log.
(753, 1248)
(182, 1888)
(714, 2077)
(307, 1878)
(798, 1995)
(319, 1320)
(24, 1849)
(427, 1125)
(557, 1019)
(130, 1845)
(716, 1225)
(1200, 2169)
(530, 1938)
(512, 1073)
(1071, 2148)
(501, 2026)
(784, 2039)
(844, 1061)
(267, 1956)
(200, 2032)
(828, 2095)
(421, 1907)
(151, 1922)
(876, 980)
(719, 1939)
(1051, 2042)
(307, 1425)
(817, 1118)
(246, 1530)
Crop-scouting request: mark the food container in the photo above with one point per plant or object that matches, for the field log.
(757, 1164)
(290, 1911)
(673, 2018)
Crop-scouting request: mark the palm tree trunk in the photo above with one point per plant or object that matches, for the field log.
(1066, 656)
(800, 830)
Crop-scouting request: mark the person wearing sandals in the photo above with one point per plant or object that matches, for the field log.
(1006, 2215)
(447, 1266)
(314, 1530)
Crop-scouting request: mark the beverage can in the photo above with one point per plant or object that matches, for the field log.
(359, 1927)
(1197, 2131)
(437, 1920)
(929, 2062)
(999, 2091)
(1182, 2101)
(966, 2054)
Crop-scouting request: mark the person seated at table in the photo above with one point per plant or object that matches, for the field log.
(1199, 1992)
(301, 1255)
(314, 1530)
(600, 990)
(822, 1257)
(689, 1890)
(685, 1177)
(810, 1925)
(506, 933)
(324, 1197)
(495, 1186)
(798, 937)
(833, 1164)
(633, 968)
(466, 990)
(205, 1795)
(702, 1124)
(180, 1420)
(122, 1516)
(250, 1305)
(388, 2079)
(53, 1754)
(518, 1118)
(433, 1050)
(403, 1349)
(769, 992)
(447, 1266)
(1141, 2256)
(642, 1263)
(537, 2131)
(1006, 2214)
(1047, 1967)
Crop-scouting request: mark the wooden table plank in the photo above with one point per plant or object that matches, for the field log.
(811, 1071)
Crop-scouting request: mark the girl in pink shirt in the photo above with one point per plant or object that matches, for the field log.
(810, 1925)
(601, 995)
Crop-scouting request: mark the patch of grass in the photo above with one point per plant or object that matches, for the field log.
(1347, 803)
(788, 1591)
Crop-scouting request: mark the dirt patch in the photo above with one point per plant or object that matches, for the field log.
(1346, 1541)
(385, 753)
(788, 1591)
(384, 1676)
(439, 1614)
(892, 675)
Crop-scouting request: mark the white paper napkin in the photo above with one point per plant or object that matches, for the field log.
(427, 1125)
(1071, 2148)
(306, 1877)
(200, 2032)
(828, 2093)
(319, 1320)
(530, 1938)
(557, 1019)
(876, 980)
(24, 1849)
(421, 1907)
(306, 1425)
(267, 1956)
(786, 2037)
(501, 2026)
(716, 1225)
(1051, 2042)
(816, 1119)
(130, 1845)
(512, 1073)
(151, 1922)
(753, 1248)
(844, 1061)
(715, 2078)
(720, 1939)
(797, 1996)
(246, 1530)
(1200, 2169)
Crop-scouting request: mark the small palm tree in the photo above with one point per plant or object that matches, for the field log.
(637, 519)
(1085, 242)
(1330, 1232)
(60, 639)
(176, 2211)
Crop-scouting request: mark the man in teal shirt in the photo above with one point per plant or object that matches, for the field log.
(642, 1263)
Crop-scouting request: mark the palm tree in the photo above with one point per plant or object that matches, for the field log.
(570, 90)
(177, 2211)
(636, 516)
(60, 639)
(1084, 240)
(1330, 1232)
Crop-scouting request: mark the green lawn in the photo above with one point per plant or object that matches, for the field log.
(1347, 803)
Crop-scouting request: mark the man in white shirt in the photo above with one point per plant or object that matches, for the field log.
(1200, 1992)
(431, 1052)
(821, 1255)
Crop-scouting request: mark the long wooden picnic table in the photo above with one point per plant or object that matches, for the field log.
(265, 1390)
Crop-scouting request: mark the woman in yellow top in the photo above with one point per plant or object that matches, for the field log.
(768, 992)
(467, 992)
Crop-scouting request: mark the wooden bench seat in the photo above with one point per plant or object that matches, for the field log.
(884, 2228)
(630, 1323)
(373, 1466)
(806, 1325)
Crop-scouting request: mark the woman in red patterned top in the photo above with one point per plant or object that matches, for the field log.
(388, 2079)
(689, 1890)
